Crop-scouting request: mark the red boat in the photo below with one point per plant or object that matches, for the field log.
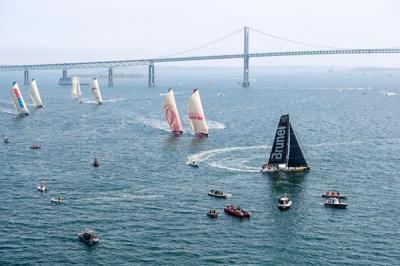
(236, 211)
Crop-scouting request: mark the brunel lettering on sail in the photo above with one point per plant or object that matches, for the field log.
(279, 144)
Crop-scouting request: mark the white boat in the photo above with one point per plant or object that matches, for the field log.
(286, 153)
(335, 203)
(88, 236)
(196, 115)
(42, 188)
(35, 95)
(284, 203)
(76, 89)
(18, 100)
(96, 91)
(57, 200)
(171, 113)
(6, 139)
(193, 163)
(218, 194)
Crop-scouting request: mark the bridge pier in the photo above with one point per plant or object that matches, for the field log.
(151, 74)
(246, 82)
(26, 76)
(110, 77)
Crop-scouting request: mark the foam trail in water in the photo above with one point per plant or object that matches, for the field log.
(154, 123)
(7, 111)
(214, 124)
(206, 157)
(388, 93)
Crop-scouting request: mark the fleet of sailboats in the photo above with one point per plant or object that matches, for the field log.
(96, 91)
(196, 115)
(35, 95)
(171, 113)
(286, 153)
(76, 89)
(18, 100)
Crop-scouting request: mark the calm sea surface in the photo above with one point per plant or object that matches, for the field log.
(149, 207)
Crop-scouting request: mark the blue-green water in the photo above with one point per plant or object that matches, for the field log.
(149, 207)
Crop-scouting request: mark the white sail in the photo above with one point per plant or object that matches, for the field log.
(79, 90)
(96, 91)
(35, 94)
(74, 88)
(17, 100)
(196, 114)
(171, 112)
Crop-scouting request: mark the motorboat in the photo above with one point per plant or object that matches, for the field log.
(335, 203)
(284, 203)
(193, 163)
(96, 163)
(212, 213)
(42, 187)
(57, 200)
(236, 211)
(334, 194)
(35, 147)
(88, 236)
(6, 140)
(218, 194)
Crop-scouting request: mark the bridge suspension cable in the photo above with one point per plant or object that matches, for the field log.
(205, 44)
(296, 42)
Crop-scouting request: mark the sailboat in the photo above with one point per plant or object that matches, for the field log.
(76, 89)
(286, 154)
(171, 113)
(35, 94)
(96, 91)
(196, 115)
(18, 101)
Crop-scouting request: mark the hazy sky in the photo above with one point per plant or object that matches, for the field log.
(49, 31)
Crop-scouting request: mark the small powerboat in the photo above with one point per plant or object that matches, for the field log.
(6, 140)
(96, 163)
(284, 203)
(35, 147)
(335, 203)
(334, 194)
(57, 200)
(218, 194)
(236, 211)
(42, 187)
(212, 213)
(193, 163)
(88, 236)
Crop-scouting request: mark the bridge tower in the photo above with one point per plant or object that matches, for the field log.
(246, 83)
(110, 77)
(26, 76)
(151, 74)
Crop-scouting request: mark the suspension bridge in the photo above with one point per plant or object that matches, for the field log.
(110, 65)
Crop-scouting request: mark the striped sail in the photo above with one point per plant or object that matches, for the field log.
(35, 95)
(171, 112)
(96, 91)
(17, 100)
(196, 115)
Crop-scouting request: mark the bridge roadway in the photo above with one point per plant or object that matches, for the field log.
(134, 62)
(150, 62)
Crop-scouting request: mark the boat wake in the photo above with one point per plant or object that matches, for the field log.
(389, 93)
(215, 125)
(7, 111)
(124, 197)
(154, 123)
(114, 100)
(222, 159)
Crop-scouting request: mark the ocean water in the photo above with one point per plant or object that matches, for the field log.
(149, 207)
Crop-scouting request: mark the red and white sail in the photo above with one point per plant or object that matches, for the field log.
(171, 112)
(96, 91)
(196, 115)
(18, 101)
(35, 95)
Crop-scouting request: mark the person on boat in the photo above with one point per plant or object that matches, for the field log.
(96, 162)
